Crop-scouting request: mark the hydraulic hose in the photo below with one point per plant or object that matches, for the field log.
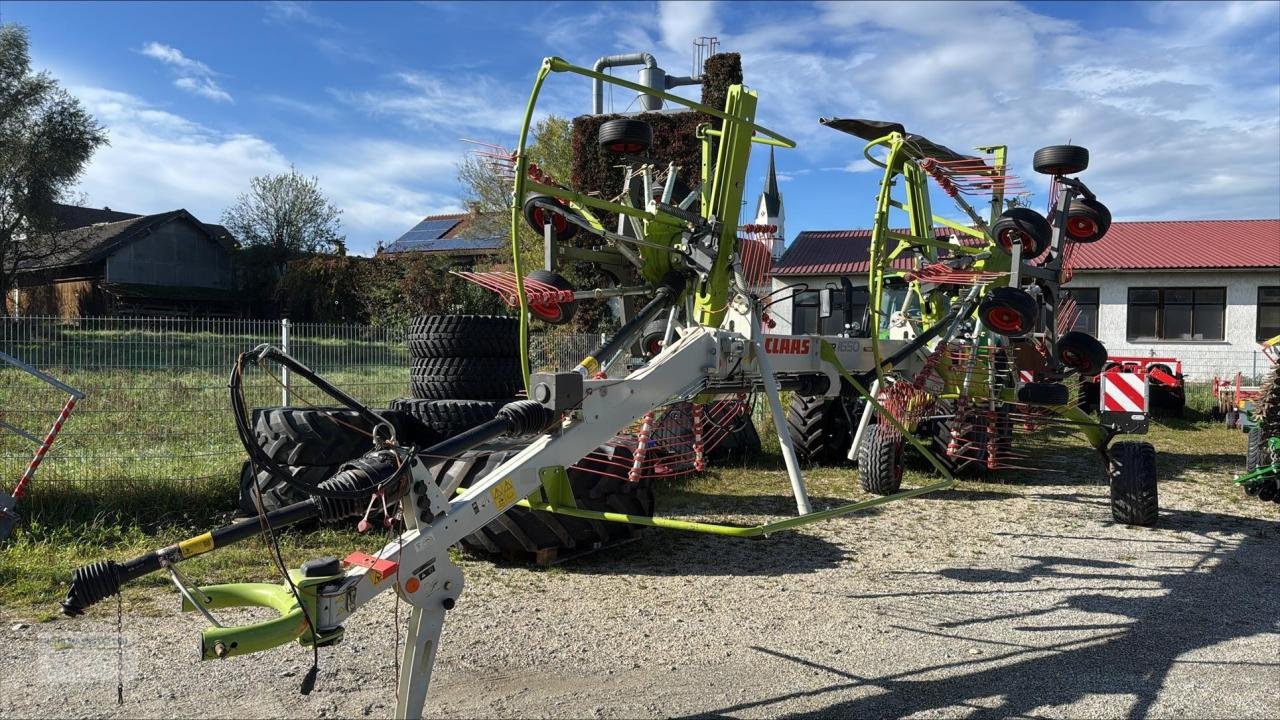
(358, 479)
(668, 292)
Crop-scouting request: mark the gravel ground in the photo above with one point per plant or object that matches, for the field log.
(988, 600)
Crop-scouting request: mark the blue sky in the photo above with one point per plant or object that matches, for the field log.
(1179, 103)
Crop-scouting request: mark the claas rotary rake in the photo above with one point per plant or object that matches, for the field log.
(974, 313)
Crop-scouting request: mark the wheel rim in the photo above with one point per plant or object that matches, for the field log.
(625, 147)
(1009, 235)
(1082, 227)
(1071, 358)
(550, 312)
(1004, 319)
(558, 223)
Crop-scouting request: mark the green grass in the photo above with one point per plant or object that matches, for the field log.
(64, 529)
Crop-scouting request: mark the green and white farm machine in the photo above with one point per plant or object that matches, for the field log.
(974, 343)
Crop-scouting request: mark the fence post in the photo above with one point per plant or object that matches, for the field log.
(284, 371)
(1255, 366)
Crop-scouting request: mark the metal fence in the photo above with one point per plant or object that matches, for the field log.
(156, 405)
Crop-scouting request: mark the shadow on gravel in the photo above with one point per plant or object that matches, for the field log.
(688, 554)
(1215, 590)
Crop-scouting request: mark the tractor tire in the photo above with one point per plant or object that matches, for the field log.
(625, 136)
(1044, 393)
(464, 336)
(522, 534)
(1081, 352)
(818, 428)
(553, 313)
(449, 417)
(465, 378)
(880, 461)
(1087, 221)
(326, 436)
(1009, 311)
(1132, 472)
(1257, 447)
(1026, 225)
(1060, 160)
(536, 213)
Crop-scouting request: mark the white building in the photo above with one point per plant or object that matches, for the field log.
(1202, 291)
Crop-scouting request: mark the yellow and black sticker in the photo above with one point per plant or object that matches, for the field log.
(196, 545)
(503, 494)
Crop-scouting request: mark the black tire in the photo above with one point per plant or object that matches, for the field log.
(651, 338)
(449, 417)
(465, 378)
(1044, 393)
(538, 208)
(880, 461)
(818, 428)
(974, 462)
(1267, 406)
(552, 313)
(1256, 447)
(471, 336)
(742, 442)
(1134, 495)
(1060, 160)
(1009, 311)
(524, 535)
(626, 137)
(325, 436)
(1081, 352)
(1087, 221)
(1026, 225)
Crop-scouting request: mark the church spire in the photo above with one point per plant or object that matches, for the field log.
(770, 211)
(772, 198)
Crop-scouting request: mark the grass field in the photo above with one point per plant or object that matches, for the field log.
(68, 525)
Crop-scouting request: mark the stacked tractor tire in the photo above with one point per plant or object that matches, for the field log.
(464, 368)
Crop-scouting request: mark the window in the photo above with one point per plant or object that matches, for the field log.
(1268, 313)
(804, 312)
(806, 309)
(1087, 305)
(1176, 313)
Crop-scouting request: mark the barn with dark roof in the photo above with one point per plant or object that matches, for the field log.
(107, 262)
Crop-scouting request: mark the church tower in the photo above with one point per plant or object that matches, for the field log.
(770, 211)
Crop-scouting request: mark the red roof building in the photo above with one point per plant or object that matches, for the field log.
(1202, 291)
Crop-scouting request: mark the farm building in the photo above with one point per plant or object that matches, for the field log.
(463, 237)
(1201, 291)
(114, 263)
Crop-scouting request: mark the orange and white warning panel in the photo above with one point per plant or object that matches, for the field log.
(1124, 400)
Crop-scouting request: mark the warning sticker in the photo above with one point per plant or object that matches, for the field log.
(196, 545)
(504, 495)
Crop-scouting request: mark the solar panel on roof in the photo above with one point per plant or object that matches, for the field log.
(427, 230)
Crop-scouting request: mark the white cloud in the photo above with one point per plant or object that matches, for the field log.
(193, 76)
(477, 102)
(159, 161)
(1180, 122)
(680, 22)
(296, 13)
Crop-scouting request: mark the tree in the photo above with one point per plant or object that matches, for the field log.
(287, 213)
(488, 190)
(46, 139)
